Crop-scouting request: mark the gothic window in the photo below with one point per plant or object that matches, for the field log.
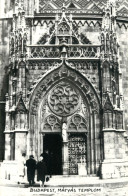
(111, 43)
(115, 46)
(119, 120)
(63, 99)
(106, 77)
(24, 42)
(12, 46)
(102, 42)
(107, 43)
(63, 29)
(16, 44)
(20, 42)
(108, 119)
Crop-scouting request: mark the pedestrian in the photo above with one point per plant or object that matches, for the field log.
(47, 161)
(41, 170)
(31, 166)
(21, 168)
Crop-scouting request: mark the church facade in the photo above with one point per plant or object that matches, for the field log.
(65, 87)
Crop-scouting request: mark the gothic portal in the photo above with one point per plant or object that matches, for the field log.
(65, 88)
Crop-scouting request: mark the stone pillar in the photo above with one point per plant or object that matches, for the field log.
(65, 157)
(113, 154)
(65, 149)
(109, 144)
(7, 146)
(20, 144)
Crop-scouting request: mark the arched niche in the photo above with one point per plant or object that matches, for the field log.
(77, 124)
(51, 124)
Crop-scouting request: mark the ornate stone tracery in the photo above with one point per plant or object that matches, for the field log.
(63, 99)
(77, 124)
(51, 123)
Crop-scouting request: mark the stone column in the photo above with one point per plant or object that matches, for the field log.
(7, 145)
(65, 149)
(113, 153)
(20, 143)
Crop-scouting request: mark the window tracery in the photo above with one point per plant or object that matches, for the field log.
(64, 100)
(52, 123)
(77, 123)
(63, 29)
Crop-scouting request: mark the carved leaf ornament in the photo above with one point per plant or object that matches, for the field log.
(64, 100)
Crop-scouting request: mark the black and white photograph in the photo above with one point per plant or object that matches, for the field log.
(63, 97)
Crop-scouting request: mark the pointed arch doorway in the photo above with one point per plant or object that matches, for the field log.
(78, 105)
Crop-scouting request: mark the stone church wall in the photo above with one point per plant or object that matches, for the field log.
(4, 61)
(122, 34)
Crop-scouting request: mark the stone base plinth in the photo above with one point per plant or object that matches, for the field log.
(82, 169)
(65, 168)
(114, 169)
(9, 170)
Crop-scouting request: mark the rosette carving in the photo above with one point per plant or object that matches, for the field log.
(64, 100)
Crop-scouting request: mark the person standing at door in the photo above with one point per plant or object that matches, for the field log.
(47, 161)
(41, 170)
(31, 167)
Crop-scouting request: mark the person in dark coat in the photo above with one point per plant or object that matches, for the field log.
(47, 161)
(41, 171)
(31, 167)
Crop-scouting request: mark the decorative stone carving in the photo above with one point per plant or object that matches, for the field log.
(45, 65)
(21, 108)
(64, 100)
(51, 123)
(108, 105)
(77, 124)
(64, 131)
(66, 73)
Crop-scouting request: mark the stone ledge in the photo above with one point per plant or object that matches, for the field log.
(113, 130)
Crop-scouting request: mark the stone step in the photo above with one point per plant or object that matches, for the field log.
(68, 180)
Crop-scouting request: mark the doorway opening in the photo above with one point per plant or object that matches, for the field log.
(52, 144)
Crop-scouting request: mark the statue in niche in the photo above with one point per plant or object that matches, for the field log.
(64, 130)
